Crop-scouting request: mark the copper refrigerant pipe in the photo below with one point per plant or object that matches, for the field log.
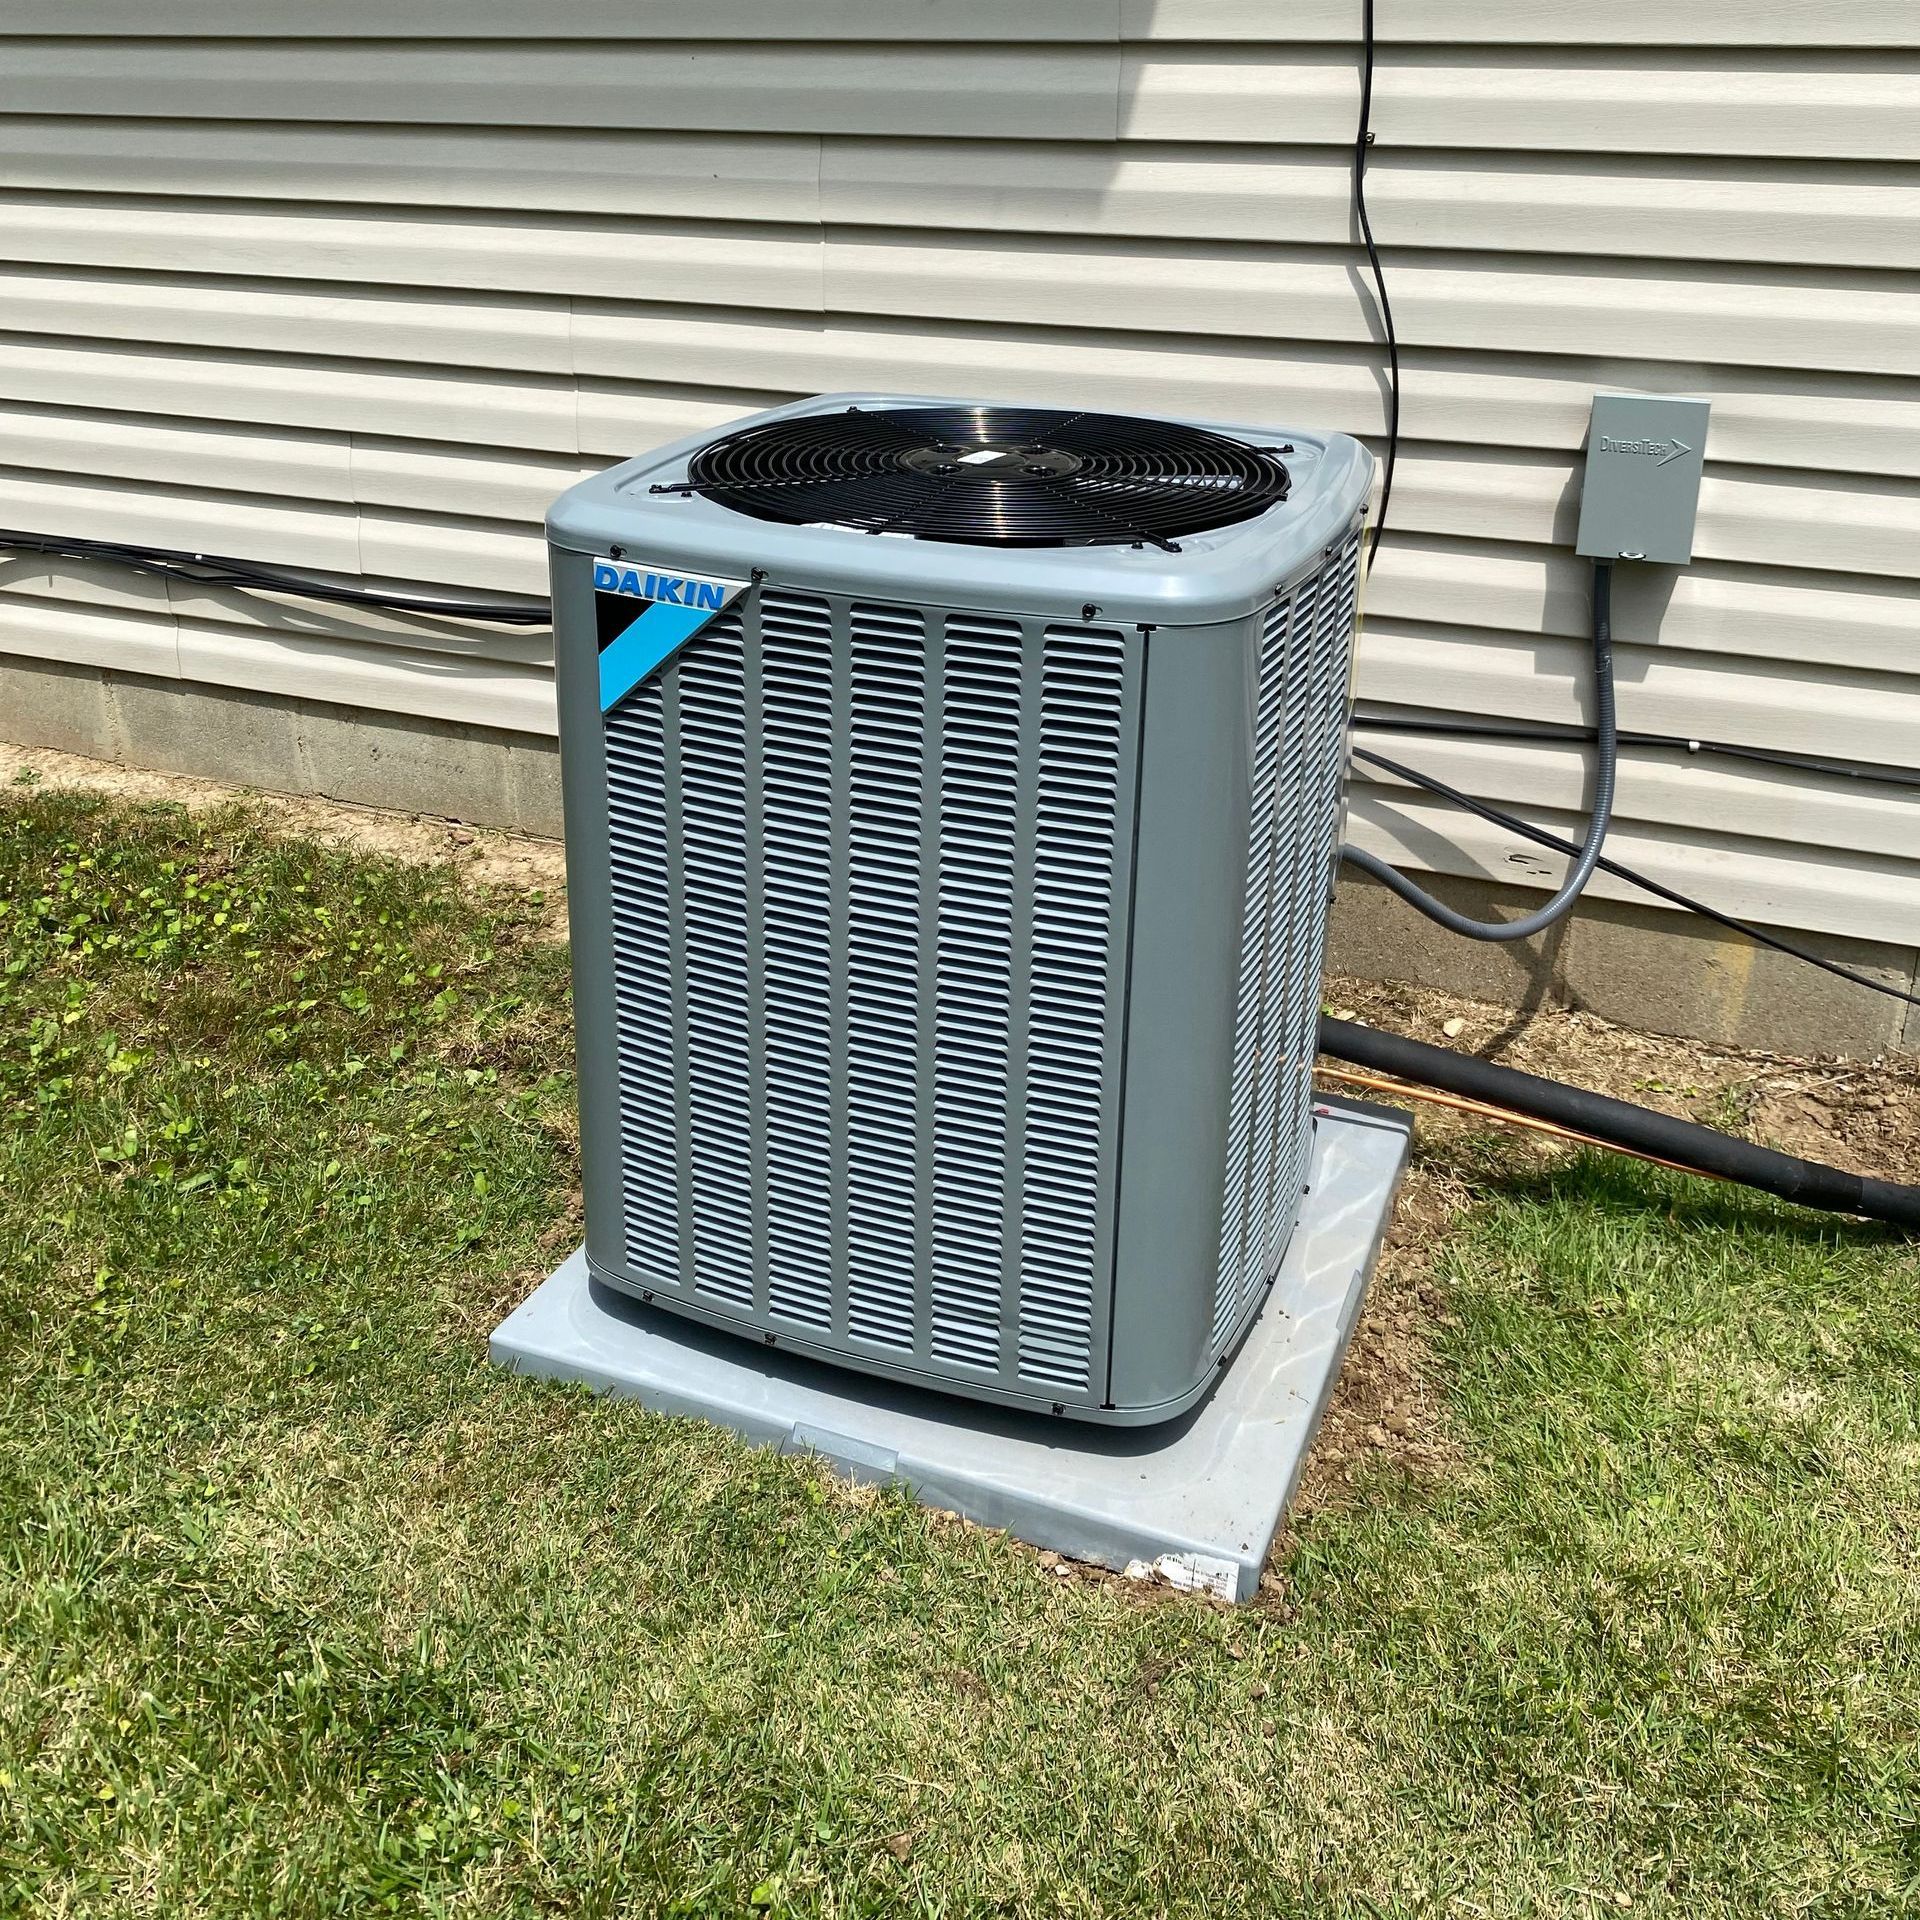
(1501, 1116)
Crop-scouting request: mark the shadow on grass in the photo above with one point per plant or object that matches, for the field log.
(1616, 1185)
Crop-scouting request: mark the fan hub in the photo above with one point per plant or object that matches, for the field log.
(965, 461)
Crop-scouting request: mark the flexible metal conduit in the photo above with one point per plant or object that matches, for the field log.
(1599, 816)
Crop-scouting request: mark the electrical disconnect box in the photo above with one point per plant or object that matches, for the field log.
(1644, 455)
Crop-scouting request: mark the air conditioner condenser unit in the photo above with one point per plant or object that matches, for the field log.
(952, 795)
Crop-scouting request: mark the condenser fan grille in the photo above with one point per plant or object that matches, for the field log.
(990, 476)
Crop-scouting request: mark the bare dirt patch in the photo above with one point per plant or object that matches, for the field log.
(483, 856)
(1387, 1408)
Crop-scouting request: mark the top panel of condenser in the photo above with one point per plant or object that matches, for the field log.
(1222, 574)
(1644, 455)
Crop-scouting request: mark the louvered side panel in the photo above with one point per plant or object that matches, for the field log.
(642, 973)
(1082, 692)
(879, 875)
(1332, 684)
(1278, 1179)
(1305, 916)
(887, 649)
(1293, 813)
(973, 986)
(796, 722)
(1240, 1208)
(713, 911)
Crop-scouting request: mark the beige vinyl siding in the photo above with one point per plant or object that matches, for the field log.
(275, 283)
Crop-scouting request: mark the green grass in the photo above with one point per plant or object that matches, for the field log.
(304, 1611)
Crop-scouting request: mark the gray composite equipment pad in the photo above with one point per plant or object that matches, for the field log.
(1200, 1497)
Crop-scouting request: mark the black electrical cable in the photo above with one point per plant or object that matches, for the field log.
(1362, 140)
(1880, 775)
(1600, 815)
(1620, 1122)
(1864, 770)
(216, 570)
(1621, 871)
(1605, 721)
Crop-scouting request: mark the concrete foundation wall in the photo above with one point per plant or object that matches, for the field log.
(1644, 967)
(482, 775)
(1647, 967)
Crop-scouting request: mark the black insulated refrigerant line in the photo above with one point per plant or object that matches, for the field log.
(1620, 1123)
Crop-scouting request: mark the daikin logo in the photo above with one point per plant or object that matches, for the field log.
(673, 589)
(645, 616)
